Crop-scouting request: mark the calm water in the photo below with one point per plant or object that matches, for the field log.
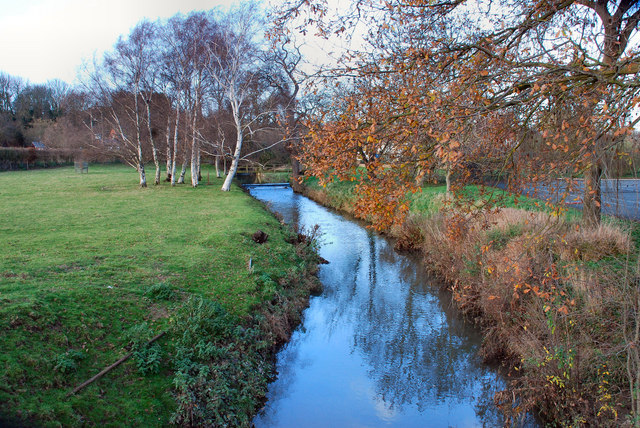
(381, 346)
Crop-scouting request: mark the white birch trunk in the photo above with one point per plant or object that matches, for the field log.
(169, 156)
(154, 149)
(156, 180)
(175, 149)
(195, 151)
(236, 155)
(194, 166)
(143, 177)
(218, 166)
(183, 172)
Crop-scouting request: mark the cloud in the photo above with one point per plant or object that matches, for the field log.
(49, 39)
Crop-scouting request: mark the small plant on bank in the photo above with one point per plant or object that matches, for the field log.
(219, 369)
(147, 358)
(68, 362)
(161, 291)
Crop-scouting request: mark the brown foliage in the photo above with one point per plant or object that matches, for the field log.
(409, 235)
(544, 320)
(443, 88)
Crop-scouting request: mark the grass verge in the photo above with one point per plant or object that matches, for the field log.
(93, 266)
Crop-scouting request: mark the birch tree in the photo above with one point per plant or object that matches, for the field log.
(175, 72)
(193, 40)
(116, 85)
(236, 71)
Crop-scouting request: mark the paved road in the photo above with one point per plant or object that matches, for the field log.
(619, 197)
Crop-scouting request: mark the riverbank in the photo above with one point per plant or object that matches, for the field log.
(556, 304)
(93, 267)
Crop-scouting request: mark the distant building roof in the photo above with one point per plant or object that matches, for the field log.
(38, 145)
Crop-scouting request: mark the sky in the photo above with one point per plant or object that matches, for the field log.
(41, 40)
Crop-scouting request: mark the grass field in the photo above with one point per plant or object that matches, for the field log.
(92, 266)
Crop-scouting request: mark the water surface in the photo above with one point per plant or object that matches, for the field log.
(381, 346)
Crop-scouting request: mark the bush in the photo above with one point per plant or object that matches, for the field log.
(24, 158)
(147, 357)
(595, 244)
(551, 298)
(220, 371)
(161, 291)
(68, 362)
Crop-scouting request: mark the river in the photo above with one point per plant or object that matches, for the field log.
(381, 346)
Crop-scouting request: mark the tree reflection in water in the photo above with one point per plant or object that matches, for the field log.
(380, 346)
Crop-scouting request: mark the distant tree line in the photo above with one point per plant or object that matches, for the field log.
(172, 92)
(26, 109)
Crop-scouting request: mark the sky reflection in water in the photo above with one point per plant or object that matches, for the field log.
(381, 346)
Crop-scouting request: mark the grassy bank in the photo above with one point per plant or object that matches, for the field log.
(557, 304)
(92, 267)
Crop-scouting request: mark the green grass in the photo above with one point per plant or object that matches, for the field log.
(339, 194)
(87, 257)
(274, 177)
(425, 201)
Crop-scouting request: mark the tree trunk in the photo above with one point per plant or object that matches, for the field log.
(614, 46)
(195, 152)
(175, 149)
(218, 166)
(194, 165)
(591, 212)
(183, 172)
(447, 180)
(236, 155)
(169, 156)
(154, 149)
(420, 177)
(158, 172)
(143, 176)
(295, 175)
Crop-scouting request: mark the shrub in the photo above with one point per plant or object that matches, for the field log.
(146, 357)
(594, 244)
(68, 362)
(410, 236)
(550, 307)
(219, 367)
(161, 291)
